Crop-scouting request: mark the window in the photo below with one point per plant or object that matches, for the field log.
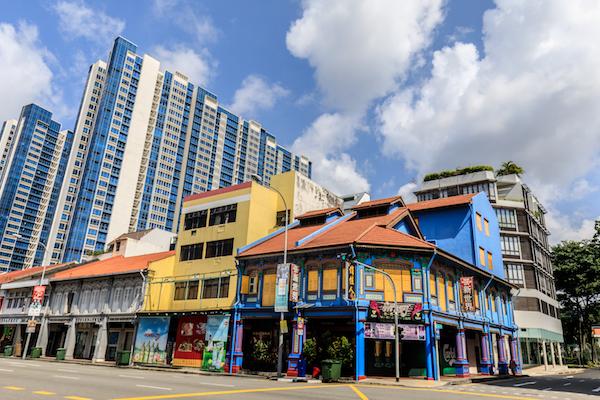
(486, 225)
(223, 215)
(280, 218)
(313, 280)
(330, 279)
(191, 252)
(482, 256)
(216, 288)
(219, 248)
(180, 290)
(506, 218)
(118, 246)
(510, 245)
(70, 298)
(478, 221)
(514, 274)
(526, 304)
(490, 260)
(253, 283)
(196, 219)
(433, 288)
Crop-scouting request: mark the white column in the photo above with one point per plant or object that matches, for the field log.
(42, 339)
(17, 341)
(552, 355)
(101, 341)
(560, 361)
(544, 355)
(70, 340)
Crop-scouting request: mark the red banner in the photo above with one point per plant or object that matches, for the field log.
(190, 341)
(466, 289)
(38, 293)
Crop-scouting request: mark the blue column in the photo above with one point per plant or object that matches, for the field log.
(430, 357)
(360, 345)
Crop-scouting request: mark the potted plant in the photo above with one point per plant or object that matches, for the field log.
(310, 354)
(340, 353)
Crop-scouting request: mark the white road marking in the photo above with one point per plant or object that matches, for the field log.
(24, 364)
(132, 376)
(66, 377)
(569, 377)
(6, 370)
(67, 370)
(567, 384)
(596, 390)
(214, 384)
(525, 383)
(153, 387)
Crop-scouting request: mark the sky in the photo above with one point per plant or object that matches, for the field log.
(376, 93)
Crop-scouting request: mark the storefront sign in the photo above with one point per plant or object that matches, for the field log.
(88, 320)
(37, 299)
(12, 321)
(382, 330)
(151, 341)
(300, 326)
(596, 331)
(281, 288)
(384, 311)
(295, 284)
(31, 324)
(190, 341)
(217, 327)
(351, 280)
(466, 289)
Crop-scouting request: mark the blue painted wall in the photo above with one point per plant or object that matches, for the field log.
(480, 204)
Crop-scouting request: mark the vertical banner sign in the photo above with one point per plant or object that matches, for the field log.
(351, 280)
(37, 299)
(466, 288)
(217, 327)
(295, 283)
(282, 288)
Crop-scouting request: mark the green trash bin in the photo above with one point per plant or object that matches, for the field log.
(123, 357)
(36, 352)
(331, 370)
(8, 351)
(60, 354)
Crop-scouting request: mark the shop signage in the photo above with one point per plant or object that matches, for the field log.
(295, 283)
(151, 341)
(466, 289)
(384, 311)
(383, 330)
(351, 281)
(122, 318)
(37, 298)
(596, 331)
(300, 326)
(88, 320)
(217, 327)
(281, 288)
(31, 324)
(12, 321)
(190, 341)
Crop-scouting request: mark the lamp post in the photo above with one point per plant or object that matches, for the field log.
(258, 179)
(19, 236)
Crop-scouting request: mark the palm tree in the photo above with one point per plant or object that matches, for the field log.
(509, 168)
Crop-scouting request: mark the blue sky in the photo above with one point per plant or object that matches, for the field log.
(376, 93)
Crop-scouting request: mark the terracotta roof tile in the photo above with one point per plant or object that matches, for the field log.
(218, 191)
(444, 202)
(379, 202)
(111, 266)
(275, 244)
(316, 213)
(28, 272)
(386, 236)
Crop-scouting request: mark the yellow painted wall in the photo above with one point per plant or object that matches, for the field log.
(155, 295)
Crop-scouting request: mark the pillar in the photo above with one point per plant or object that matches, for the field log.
(552, 355)
(101, 341)
(462, 363)
(560, 360)
(298, 338)
(502, 361)
(359, 358)
(544, 355)
(17, 342)
(430, 357)
(238, 337)
(515, 354)
(42, 339)
(486, 360)
(70, 340)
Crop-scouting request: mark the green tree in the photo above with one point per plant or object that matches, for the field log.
(509, 168)
(577, 274)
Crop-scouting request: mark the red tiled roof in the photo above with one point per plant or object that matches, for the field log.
(316, 213)
(444, 202)
(373, 230)
(111, 266)
(218, 191)
(379, 202)
(26, 273)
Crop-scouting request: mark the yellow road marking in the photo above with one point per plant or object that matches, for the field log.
(497, 396)
(224, 392)
(77, 398)
(360, 394)
(44, 393)
(13, 388)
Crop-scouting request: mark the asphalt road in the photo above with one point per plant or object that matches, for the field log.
(49, 380)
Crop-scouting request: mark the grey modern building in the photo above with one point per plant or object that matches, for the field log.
(526, 256)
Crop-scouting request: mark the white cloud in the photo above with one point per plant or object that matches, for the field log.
(198, 66)
(256, 94)
(406, 191)
(26, 76)
(360, 51)
(186, 17)
(563, 227)
(76, 19)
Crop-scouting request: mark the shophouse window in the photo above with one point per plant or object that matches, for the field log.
(507, 218)
(215, 288)
(193, 287)
(180, 290)
(191, 252)
(486, 225)
(313, 280)
(478, 221)
(490, 260)
(70, 301)
(330, 279)
(482, 257)
(223, 215)
(476, 297)
(510, 245)
(196, 219)
(514, 274)
(280, 218)
(219, 248)
(433, 288)
(450, 292)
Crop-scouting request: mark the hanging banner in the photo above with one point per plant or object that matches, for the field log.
(37, 299)
(281, 288)
(466, 289)
(295, 283)
(384, 311)
(217, 328)
(382, 330)
(151, 341)
(351, 280)
(190, 341)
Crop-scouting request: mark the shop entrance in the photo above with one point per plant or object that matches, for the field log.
(85, 341)
(261, 338)
(120, 337)
(325, 335)
(56, 338)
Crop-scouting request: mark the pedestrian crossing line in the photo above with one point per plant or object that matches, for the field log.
(15, 388)
(44, 393)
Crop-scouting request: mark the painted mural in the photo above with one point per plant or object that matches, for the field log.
(151, 341)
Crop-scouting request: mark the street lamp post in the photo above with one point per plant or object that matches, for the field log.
(28, 340)
(258, 179)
